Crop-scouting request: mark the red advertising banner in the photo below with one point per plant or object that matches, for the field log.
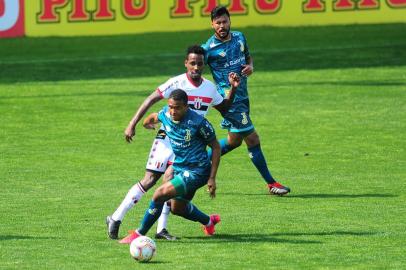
(12, 18)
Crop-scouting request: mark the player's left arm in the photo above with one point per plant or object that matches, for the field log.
(150, 121)
(215, 162)
(234, 81)
(248, 68)
(207, 133)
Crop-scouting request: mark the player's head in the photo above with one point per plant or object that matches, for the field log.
(177, 103)
(220, 21)
(194, 62)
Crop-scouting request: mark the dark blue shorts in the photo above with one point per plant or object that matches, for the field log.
(237, 119)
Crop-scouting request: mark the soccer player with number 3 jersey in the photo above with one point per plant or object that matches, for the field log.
(227, 51)
(189, 134)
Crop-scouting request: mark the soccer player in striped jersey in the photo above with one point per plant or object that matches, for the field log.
(202, 94)
(227, 51)
(189, 134)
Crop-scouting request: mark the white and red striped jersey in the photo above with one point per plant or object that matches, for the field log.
(200, 97)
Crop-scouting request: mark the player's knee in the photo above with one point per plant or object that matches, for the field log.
(168, 174)
(149, 180)
(235, 142)
(179, 211)
(176, 211)
(161, 194)
(252, 139)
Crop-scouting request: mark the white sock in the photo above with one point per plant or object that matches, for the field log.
(163, 219)
(133, 196)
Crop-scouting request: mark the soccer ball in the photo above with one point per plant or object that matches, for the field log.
(142, 249)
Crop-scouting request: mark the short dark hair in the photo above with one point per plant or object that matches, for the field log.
(196, 49)
(219, 11)
(179, 95)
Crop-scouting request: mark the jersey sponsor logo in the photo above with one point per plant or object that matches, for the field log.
(235, 62)
(180, 145)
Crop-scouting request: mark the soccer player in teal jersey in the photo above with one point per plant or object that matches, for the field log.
(189, 134)
(227, 51)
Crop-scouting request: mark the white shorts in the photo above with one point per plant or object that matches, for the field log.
(161, 154)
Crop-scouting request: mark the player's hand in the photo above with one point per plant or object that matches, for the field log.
(129, 133)
(211, 187)
(247, 70)
(149, 126)
(234, 79)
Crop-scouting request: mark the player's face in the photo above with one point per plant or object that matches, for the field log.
(221, 26)
(177, 109)
(194, 65)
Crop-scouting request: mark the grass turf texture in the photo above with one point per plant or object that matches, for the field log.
(328, 102)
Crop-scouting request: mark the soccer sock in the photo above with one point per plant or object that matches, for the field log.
(257, 157)
(194, 214)
(225, 147)
(163, 219)
(151, 216)
(133, 196)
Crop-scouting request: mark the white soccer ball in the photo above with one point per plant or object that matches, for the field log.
(142, 249)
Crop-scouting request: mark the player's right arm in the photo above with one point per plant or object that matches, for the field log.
(148, 102)
(150, 121)
(215, 162)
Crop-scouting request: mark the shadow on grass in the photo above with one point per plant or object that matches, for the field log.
(334, 233)
(154, 262)
(338, 196)
(272, 238)
(254, 237)
(312, 196)
(22, 237)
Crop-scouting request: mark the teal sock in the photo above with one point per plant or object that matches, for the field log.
(225, 147)
(257, 157)
(194, 214)
(150, 217)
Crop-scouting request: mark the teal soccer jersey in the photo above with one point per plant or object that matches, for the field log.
(189, 138)
(223, 58)
(226, 57)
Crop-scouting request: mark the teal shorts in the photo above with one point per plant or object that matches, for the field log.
(237, 119)
(186, 183)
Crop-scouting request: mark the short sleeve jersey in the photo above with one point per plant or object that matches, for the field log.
(189, 138)
(200, 97)
(225, 57)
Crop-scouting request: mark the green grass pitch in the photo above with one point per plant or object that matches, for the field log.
(329, 104)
